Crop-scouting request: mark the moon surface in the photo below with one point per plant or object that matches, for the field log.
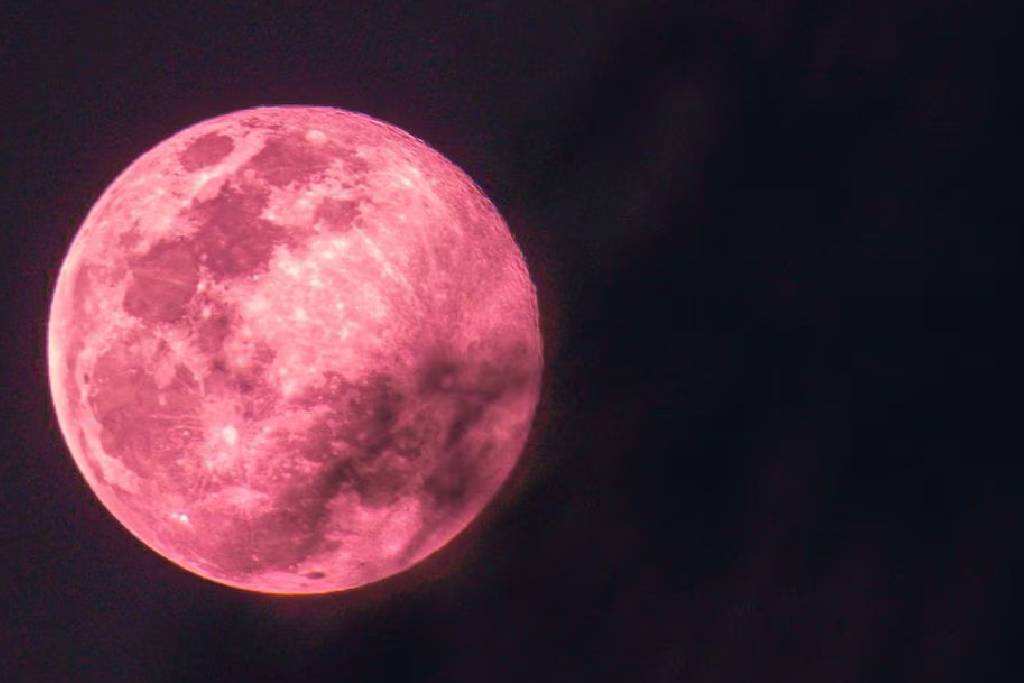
(294, 349)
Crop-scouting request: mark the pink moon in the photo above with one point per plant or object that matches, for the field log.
(294, 349)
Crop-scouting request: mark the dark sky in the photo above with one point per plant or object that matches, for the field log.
(773, 244)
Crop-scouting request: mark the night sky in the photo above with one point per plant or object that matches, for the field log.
(773, 245)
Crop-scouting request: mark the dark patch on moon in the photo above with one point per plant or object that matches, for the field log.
(380, 487)
(142, 424)
(456, 476)
(354, 164)
(371, 428)
(273, 540)
(213, 326)
(471, 388)
(259, 398)
(232, 240)
(185, 378)
(162, 283)
(438, 375)
(476, 381)
(376, 483)
(129, 238)
(467, 414)
(279, 538)
(315, 575)
(356, 442)
(248, 385)
(289, 158)
(362, 416)
(370, 411)
(205, 151)
(417, 434)
(338, 214)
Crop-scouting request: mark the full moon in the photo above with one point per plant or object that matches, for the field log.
(294, 349)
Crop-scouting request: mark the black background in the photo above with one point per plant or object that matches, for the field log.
(772, 244)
